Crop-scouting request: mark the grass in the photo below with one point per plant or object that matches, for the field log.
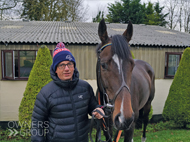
(164, 132)
(160, 132)
(4, 136)
(166, 136)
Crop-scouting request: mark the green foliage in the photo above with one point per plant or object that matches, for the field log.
(122, 12)
(115, 13)
(98, 17)
(149, 16)
(159, 16)
(154, 15)
(39, 76)
(5, 136)
(177, 105)
(52, 10)
(150, 113)
(137, 13)
(133, 56)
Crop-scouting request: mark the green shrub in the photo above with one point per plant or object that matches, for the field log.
(177, 105)
(133, 56)
(150, 113)
(39, 76)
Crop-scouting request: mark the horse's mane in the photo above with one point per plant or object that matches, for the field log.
(119, 46)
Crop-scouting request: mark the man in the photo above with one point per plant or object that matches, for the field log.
(62, 106)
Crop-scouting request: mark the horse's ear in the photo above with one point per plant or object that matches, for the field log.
(128, 32)
(102, 31)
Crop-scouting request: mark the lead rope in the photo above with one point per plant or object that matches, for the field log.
(104, 124)
(106, 128)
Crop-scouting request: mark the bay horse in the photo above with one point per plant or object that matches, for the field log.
(124, 84)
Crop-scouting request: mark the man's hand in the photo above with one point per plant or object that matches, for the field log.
(97, 115)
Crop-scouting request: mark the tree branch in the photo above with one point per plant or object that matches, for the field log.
(15, 3)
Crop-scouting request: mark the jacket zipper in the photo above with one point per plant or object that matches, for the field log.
(74, 111)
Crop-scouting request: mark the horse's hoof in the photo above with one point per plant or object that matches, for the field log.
(143, 139)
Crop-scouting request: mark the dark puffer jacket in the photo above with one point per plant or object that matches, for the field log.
(62, 109)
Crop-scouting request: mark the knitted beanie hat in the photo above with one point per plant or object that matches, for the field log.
(62, 54)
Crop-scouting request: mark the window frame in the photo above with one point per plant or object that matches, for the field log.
(3, 64)
(166, 76)
(13, 64)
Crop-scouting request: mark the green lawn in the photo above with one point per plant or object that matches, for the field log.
(178, 135)
(166, 136)
(160, 132)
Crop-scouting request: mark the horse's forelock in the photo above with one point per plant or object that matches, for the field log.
(120, 47)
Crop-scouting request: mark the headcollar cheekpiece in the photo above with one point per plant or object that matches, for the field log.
(103, 47)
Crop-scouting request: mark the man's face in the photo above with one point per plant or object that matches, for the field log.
(65, 70)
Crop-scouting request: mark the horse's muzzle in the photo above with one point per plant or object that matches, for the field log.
(123, 124)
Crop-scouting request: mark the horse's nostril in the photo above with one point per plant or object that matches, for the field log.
(121, 123)
(117, 121)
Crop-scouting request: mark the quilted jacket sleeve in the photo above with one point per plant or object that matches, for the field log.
(93, 102)
(39, 119)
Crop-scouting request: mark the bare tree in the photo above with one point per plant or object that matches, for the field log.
(77, 10)
(6, 5)
(187, 16)
(180, 14)
(173, 10)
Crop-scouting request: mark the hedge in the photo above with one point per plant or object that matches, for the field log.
(39, 77)
(177, 105)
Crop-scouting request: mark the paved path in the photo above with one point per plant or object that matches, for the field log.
(161, 93)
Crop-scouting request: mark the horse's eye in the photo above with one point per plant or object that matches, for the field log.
(104, 66)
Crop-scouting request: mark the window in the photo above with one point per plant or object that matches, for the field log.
(17, 64)
(172, 60)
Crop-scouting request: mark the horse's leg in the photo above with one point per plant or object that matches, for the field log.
(139, 121)
(146, 109)
(128, 134)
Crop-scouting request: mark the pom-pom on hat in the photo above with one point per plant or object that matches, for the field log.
(62, 54)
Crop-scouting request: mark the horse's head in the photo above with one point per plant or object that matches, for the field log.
(114, 69)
